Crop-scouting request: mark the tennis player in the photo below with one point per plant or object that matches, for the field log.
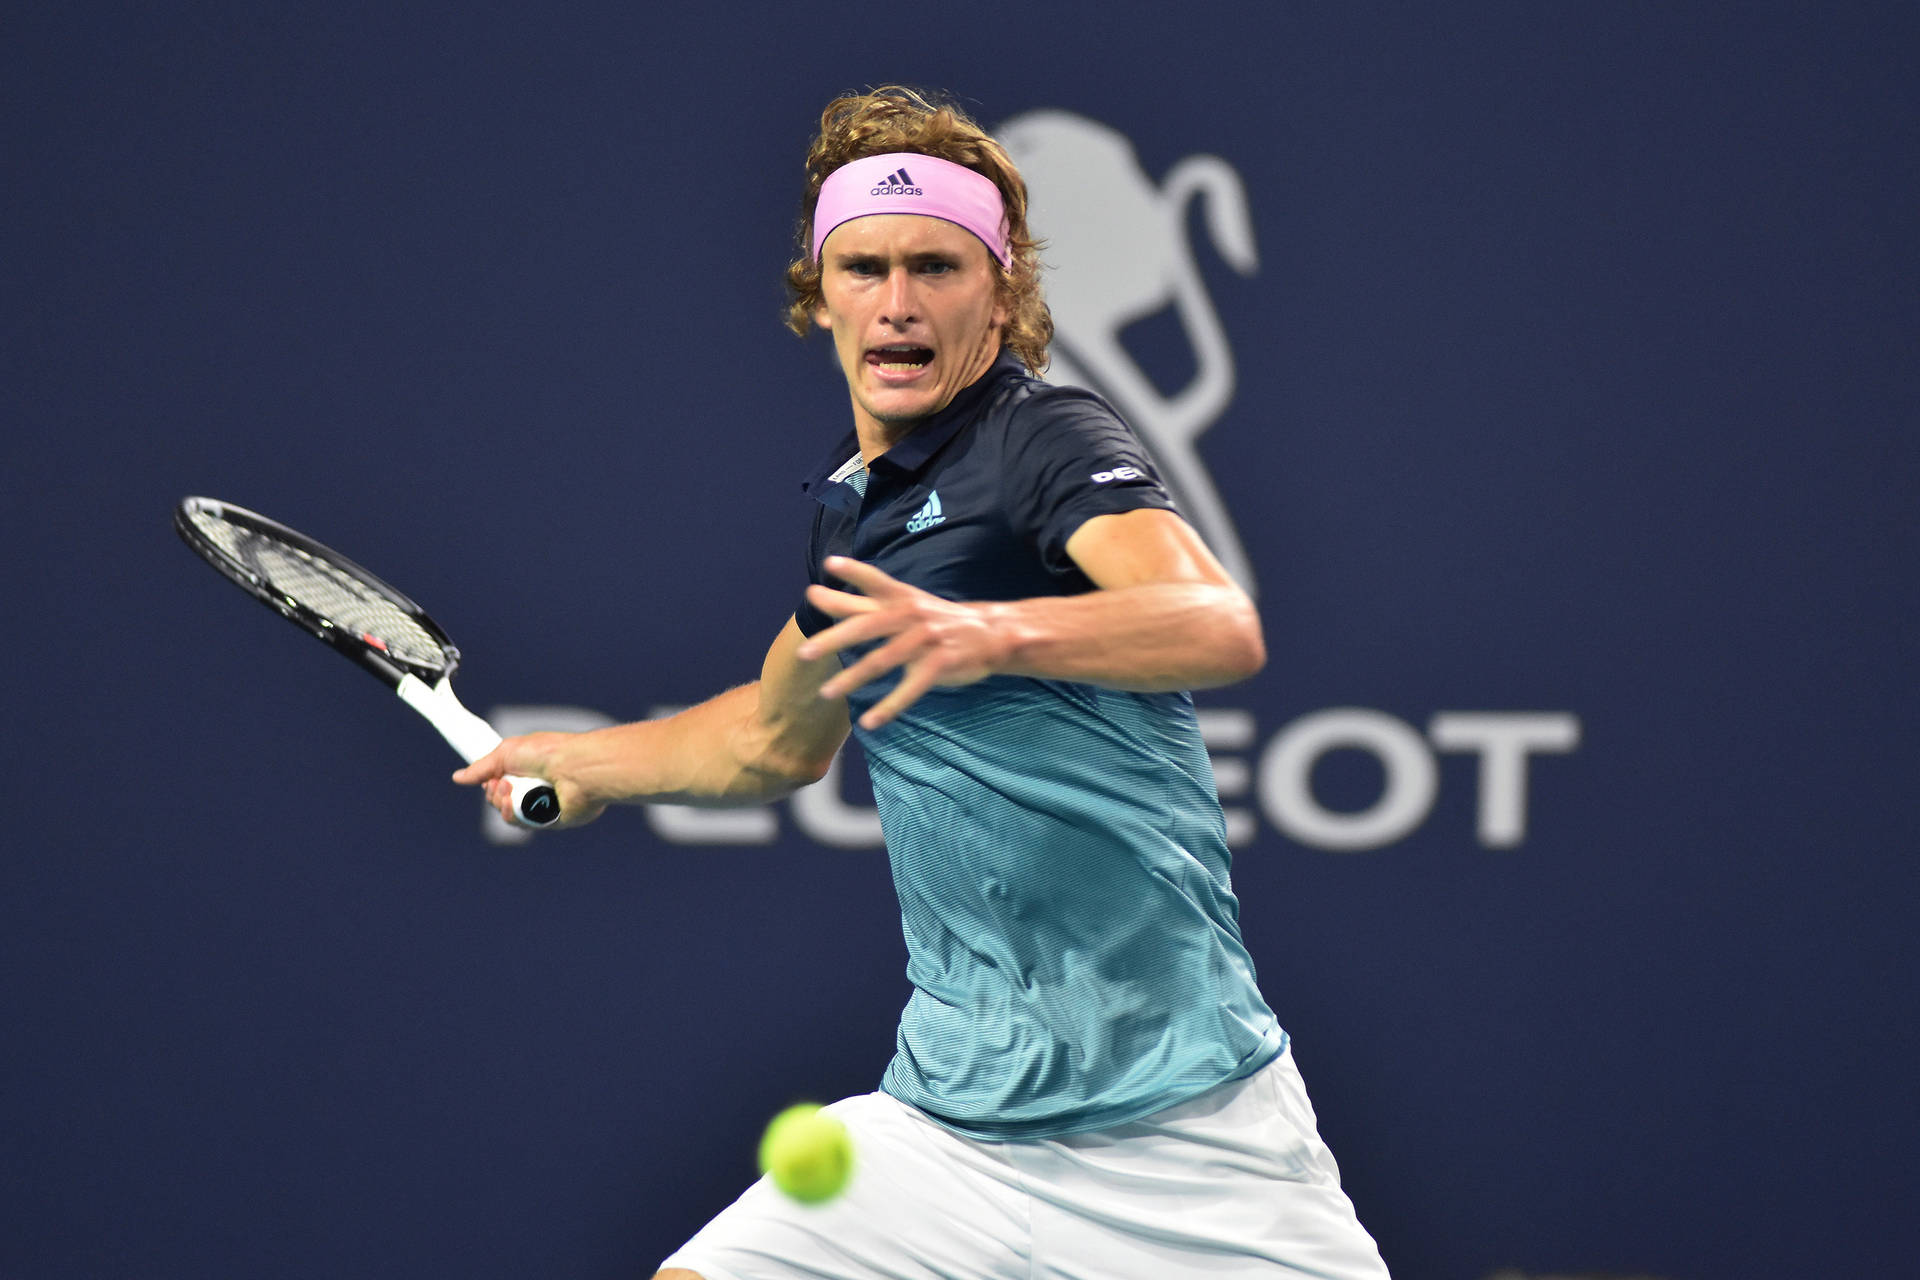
(1007, 611)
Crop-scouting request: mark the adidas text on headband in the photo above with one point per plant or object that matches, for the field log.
(906, 182)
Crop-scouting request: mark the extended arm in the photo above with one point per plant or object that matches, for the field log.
(1165, 616)
(750, 744)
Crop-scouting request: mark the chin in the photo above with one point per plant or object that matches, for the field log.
(895, 407)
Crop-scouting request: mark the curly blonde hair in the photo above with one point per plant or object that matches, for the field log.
(896, 118)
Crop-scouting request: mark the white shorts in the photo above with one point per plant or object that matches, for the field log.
(1233, 1183)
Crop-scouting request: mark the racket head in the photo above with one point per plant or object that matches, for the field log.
(319, 590)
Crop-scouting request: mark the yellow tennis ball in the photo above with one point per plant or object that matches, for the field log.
(807, 1153)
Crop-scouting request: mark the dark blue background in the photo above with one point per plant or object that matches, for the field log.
(1579, 373)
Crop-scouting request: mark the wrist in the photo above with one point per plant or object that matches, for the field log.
(580, 760)
(1012, 637)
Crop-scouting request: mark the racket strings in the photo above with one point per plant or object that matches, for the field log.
(328, 591)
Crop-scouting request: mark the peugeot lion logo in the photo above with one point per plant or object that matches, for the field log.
(1117, 252)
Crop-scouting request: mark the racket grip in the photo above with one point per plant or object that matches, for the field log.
(535, 803)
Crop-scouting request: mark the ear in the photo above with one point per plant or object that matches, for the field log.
(822, 318)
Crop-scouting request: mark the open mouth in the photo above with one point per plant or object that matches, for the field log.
(900, 359)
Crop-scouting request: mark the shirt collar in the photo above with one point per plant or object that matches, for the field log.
(925, 440)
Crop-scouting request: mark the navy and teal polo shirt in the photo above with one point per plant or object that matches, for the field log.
(1058, 848)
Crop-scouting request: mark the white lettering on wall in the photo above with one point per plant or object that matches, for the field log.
(1286, 779)
(1281, 785)
(824, 816)
(1504, 740)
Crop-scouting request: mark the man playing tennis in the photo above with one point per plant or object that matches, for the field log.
(1007, 612)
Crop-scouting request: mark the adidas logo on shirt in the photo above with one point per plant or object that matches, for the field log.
(897, 183)
(927, 516)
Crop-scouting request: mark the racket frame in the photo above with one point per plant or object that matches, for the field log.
(427, 688)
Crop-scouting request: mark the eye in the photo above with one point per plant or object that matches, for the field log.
(936, 267)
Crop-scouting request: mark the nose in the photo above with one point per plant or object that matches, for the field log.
(899, 301)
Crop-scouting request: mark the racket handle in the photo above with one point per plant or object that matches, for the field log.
(535, 803)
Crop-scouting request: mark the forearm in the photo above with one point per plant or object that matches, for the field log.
(757, 742)
(686, 758)
(1151, 637)
(1164, 615)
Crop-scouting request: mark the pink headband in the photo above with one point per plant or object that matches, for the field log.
(903, 182)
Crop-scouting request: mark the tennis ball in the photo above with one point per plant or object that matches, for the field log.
(807, 1153)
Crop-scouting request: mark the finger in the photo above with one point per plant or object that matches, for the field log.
(838, 603)
(872, 581)
(868, 626)
(488, 766)
(898, 652)
(914, 683)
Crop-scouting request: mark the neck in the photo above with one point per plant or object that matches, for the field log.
(877, 435)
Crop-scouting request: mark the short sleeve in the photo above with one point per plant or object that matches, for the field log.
(810, 620)
(1070, 458)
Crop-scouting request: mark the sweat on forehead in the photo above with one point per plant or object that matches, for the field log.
(907, 182)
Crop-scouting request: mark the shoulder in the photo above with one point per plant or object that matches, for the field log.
(1039, 418)
(1033, 401)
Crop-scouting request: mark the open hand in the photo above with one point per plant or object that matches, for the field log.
(934, 641)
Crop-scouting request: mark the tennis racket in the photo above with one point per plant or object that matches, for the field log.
(329, 596)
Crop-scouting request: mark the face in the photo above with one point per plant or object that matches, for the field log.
(915, 316)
